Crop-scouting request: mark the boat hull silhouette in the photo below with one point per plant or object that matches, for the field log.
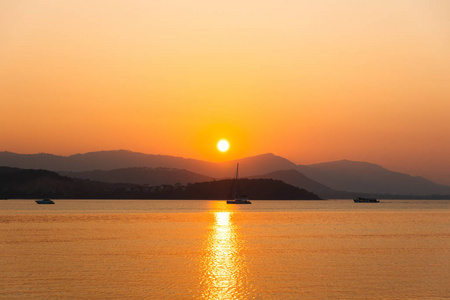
(365, 200)
(45, 201)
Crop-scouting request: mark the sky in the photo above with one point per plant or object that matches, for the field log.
(311, 81)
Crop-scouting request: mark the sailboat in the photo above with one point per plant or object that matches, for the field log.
(45, 201)
(365, 200)
(238, 199)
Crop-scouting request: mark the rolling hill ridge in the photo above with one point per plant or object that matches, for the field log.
(18, 183)
(333, 179)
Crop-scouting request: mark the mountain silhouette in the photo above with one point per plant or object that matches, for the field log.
(363, 177)
(295, 178)
(340, 176)
(256, 189)
(18, 183)
(101, 160)
(148, 176)
(253, 165)
(25, 184)
(119, 159)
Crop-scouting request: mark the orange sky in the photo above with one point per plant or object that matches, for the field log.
(311, 81)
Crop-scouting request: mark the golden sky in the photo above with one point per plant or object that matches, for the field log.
(311, 81)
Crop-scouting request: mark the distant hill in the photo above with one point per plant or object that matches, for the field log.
(363, 177)
(148, 176)
(345, 175)
(255, 165)
(18, 183)
(295, 178)
(101, 160)
(257, 189)
(24, 183)
(119, 159)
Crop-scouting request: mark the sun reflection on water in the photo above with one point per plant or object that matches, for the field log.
(224, 274)
(222, 218)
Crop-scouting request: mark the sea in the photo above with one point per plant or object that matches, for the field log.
(189, 249)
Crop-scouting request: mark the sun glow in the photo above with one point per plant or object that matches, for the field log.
(223, 145)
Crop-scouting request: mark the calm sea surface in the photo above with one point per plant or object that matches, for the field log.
(150, 249)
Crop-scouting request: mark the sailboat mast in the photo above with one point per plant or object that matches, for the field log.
(236, 180)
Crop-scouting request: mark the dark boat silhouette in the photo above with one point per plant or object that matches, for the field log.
(45, 201)
(238, 199)
(365, 200)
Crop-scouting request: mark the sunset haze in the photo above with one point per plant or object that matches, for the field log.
(309, 81)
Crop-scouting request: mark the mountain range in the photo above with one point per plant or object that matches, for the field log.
(339, 179)
(141, 175)
(18, 183)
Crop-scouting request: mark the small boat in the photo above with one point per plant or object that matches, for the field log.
(365, 200)
(239, 200)
(242, 199)
(45, 201)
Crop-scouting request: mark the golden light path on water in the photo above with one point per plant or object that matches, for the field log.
(224, 264)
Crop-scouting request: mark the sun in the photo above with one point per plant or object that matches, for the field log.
(223, 145)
